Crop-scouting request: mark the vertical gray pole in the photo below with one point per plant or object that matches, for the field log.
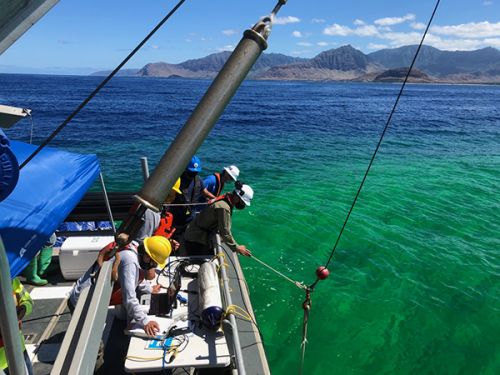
(106, 200)
(8, 321)
(145, 168)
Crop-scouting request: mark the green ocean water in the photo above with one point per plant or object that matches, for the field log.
(414, 284)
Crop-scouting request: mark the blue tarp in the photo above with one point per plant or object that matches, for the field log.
(49, 187)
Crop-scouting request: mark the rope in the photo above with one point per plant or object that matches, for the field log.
(239, 312)
(381, 137)
(296, 283)
(101, 85)
(306, 305)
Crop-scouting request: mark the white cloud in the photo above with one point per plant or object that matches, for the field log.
(304, 44)
(297, 34)
(402, 39)
(376, 46)
(322, 44)
(187, 40)
(285, 20)
(318, 20)
(367, 30)
(229, 47)
(359, 22)
(493, 42)
(418, 25)
(389, 21)
(339, 30)
(467, 36)
(461, 44)
(154, 46)
(228, 32)
(470, 30)
(487, 3)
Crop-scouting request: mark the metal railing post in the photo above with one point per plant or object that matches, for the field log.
(145, 168)
(106, 201)
(8, 321)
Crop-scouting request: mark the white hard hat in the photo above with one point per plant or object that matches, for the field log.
(233, 171)
(245, 192)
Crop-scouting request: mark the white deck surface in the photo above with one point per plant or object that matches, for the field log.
(203, 349)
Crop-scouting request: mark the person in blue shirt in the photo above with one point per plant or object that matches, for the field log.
(214, 184)
(192, 187)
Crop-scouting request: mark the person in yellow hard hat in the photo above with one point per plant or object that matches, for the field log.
(135, 261)
(152, 253)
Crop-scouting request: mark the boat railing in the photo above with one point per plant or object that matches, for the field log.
(230, 319)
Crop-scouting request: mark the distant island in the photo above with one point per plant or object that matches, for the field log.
(346, 64)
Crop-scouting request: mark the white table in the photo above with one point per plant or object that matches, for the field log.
(204, 348)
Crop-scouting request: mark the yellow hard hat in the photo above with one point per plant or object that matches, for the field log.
(177, 186)
(158, 248)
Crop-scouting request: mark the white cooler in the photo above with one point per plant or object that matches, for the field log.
(78, 253)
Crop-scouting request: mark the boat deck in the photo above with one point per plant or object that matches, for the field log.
(44, 329)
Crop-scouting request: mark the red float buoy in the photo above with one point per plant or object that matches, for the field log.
(322, 272)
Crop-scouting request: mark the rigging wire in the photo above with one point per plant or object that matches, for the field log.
(382, 135)
(101, 85)
(307, 303)
(296, 283)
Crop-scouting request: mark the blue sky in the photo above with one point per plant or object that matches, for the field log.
(79, 37)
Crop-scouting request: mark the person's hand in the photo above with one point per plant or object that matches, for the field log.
(210, 201)
(175, 245)
(152, 328)
(242, 249)
(156, 289)
(150, 274)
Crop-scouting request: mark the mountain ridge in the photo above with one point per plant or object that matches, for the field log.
(346, 63)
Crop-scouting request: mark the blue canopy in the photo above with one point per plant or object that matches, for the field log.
(49, 187)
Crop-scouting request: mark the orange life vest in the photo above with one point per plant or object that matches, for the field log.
(219, 185)
(165, 228)
(116, 293)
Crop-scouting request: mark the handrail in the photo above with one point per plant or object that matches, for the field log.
(8, 322)
(240, 365)
(80, 345)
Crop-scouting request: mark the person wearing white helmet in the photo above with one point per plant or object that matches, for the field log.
(216, 218)
(214, 184)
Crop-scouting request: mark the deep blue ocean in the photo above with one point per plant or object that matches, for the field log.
(415, 281)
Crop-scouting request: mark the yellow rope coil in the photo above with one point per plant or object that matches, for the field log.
(239, 312)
